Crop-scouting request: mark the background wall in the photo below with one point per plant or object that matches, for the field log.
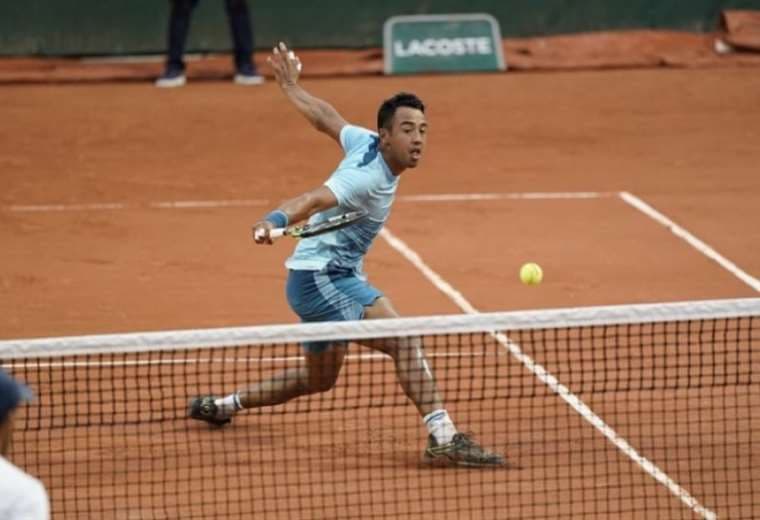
(95, 27)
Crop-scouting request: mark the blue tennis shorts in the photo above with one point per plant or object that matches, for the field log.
(328, 296)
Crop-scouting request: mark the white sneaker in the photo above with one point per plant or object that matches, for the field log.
(171, 80)
(248, 79)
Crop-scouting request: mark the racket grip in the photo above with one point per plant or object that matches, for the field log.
(277, 233)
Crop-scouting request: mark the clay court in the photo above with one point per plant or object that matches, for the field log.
(128, 208)
(684, 141)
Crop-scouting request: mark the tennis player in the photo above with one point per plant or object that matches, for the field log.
(325, 278)
(21, 495)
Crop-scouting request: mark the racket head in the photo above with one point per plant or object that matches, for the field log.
(331, 224)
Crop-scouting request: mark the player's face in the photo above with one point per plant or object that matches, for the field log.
(406, 140)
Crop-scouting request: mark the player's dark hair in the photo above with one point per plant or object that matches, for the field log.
(389, 107)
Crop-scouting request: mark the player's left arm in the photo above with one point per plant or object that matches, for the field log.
(321, 114)
(294, 210)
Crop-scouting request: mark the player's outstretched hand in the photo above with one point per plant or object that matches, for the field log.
(286, 65)
(261, 232)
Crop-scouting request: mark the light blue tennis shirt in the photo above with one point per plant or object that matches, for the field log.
(362, 182)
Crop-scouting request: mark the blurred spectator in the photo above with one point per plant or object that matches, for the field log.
(22, 497)
(242, 39)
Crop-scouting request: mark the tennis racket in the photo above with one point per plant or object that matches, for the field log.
(312, 230)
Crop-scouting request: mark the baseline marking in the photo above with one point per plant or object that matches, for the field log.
(245, 203)
(192, 204)
(549, 380)
(43, 208)
(454, 197)
(693, 241)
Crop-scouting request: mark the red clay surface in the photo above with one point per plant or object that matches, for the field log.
(683, 140)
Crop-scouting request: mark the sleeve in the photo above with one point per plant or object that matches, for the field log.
(35, 504)
(351, 188)
(352, 137)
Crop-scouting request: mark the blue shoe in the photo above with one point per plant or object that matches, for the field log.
(247, 75)
(171, 78)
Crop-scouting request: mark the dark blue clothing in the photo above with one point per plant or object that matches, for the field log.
(241, 30)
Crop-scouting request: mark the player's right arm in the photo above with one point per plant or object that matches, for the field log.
(294, 210)
(347, 187)
(322, 115)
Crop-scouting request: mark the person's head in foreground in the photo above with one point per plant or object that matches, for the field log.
(12, 394)
(402, 128)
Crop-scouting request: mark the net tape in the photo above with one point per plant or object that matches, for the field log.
(369, 329)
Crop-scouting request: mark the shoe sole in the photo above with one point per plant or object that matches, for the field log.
(171, 83)
(446, 462)
(215, 423)
(248, 81)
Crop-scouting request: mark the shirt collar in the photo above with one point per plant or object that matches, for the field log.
(387, 169)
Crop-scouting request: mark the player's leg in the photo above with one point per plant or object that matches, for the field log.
(317, 373)
(412, 367)
(179, 26)
(313, 297)
(239, 18)
(446, 446)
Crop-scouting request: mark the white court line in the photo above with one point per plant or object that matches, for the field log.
(184, 204)
(170, 204)
(207, 361)
(244, 203)
(143, 58)
(693, 241)
(549, 380)
(42, 208)
(454, 197)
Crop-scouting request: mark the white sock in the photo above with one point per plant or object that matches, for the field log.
(229, 406)
(440, 426)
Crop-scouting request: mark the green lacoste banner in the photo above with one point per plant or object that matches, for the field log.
(442, 43)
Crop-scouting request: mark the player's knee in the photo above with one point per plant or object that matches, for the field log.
(404, 347)
(379, 309)
(322, 381)
(321, 384)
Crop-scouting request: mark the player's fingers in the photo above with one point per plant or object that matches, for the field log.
(260, 235)
(286, 60)
(294, 63)
(277, 68)
(282, 53)
(278, 57)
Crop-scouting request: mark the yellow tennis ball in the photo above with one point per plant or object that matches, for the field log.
(531, 274)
